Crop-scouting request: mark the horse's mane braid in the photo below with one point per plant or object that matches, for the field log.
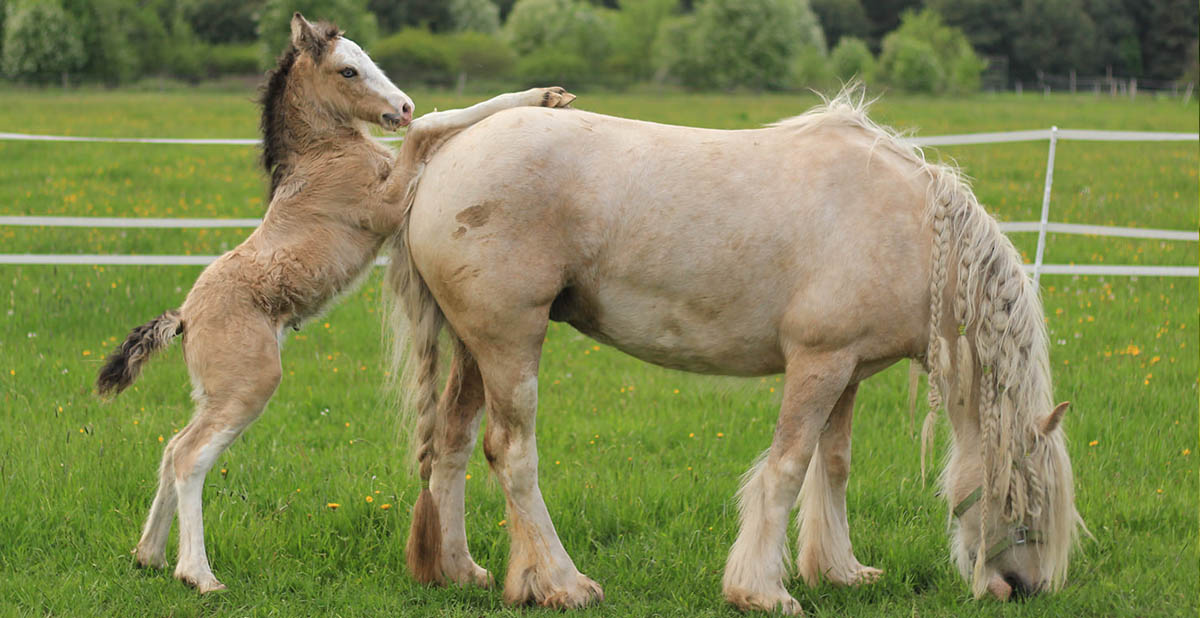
(272, 123)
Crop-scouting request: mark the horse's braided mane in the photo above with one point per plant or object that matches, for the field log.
(273, 123)
(995, 309)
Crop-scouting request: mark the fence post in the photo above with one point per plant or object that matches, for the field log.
(1041, 246)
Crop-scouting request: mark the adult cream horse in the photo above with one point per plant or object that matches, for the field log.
(333, 190)
(822, 247)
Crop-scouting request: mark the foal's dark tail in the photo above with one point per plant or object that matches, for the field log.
(122, 367)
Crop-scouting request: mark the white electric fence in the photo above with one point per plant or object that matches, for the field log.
(1042, 227)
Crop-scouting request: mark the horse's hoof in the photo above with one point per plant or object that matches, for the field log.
(778, 601)
(584, 592)
(864, 575)
(151, 560)
(204, 583)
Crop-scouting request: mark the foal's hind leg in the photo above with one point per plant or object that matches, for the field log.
(757, 564)
(152, 548)
(824, 541)
(235, 375)
(459, 413)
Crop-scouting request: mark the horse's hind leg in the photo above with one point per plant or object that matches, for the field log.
(757, 564)
(539, 569)
(461, 409)
(824, 540)
(235, 375)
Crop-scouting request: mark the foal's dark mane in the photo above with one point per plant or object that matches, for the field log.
(273, 123)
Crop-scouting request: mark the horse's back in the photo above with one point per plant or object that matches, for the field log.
(686, 247)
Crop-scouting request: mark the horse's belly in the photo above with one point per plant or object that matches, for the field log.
(674, 333)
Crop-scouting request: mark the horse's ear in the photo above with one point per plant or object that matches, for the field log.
(1054, 419)
(304, 36)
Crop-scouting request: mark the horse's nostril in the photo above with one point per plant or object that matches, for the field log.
(1020, 589)
(406, 109)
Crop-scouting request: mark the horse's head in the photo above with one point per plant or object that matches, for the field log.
(1014, 542)
(344, 80)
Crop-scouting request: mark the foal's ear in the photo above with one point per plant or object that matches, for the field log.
(304, 36)
(1054, 419)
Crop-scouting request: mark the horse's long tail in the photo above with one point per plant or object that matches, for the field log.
(122, 367)
(417, 322)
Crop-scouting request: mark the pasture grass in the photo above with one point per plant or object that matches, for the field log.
(638, 464)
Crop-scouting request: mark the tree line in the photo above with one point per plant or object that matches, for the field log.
(919, 45)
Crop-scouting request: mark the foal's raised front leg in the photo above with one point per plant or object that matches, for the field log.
(824, 539)
(757, 564)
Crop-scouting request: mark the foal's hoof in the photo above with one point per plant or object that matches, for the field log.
(563, 591)
(779, 601)
(556, 97)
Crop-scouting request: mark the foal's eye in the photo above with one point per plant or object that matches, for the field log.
(349, 72)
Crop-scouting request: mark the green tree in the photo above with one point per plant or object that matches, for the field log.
(567, 25)
(274, 24)
(474, 15)
(1053, 36)
(635, 30)
(750, 43)
(41, 42)
(841, 18)
(924, 54)
(223, 21)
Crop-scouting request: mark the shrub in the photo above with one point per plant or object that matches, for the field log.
(553, 66)
(416, 55)
(274, 24)
(911, 65)
(232, 59)
(851, 58)
(746, 43)
(811, 70)
(476, 54)
(41, 42)
(474, 15)
(569, 26)
(926, 55)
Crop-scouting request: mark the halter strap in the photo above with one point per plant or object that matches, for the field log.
(968, 502)
(1019, 535)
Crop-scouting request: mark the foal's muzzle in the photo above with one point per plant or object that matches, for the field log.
(395, 121)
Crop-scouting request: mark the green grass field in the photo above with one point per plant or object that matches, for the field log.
(638, 464)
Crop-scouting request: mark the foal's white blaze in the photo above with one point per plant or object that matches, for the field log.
(348, 54)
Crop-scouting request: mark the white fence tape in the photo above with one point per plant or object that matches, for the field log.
(128, 222)
(82, 259)
(931, 140)
(47, 259)
(27, 137)
(135, 222)
(1042, 227)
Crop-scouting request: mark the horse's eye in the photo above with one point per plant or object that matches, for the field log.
(349, 72)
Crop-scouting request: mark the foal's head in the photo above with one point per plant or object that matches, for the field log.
(335, 76)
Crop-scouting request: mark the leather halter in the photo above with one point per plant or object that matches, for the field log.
(1019, 535)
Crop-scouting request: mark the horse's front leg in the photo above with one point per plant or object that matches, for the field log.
(539, 569)
(824, 542)
(757, 564)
